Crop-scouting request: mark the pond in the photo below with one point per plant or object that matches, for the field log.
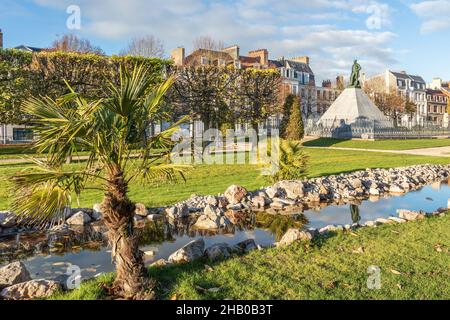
(160, 239)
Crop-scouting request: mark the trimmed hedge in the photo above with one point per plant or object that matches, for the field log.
(24, 74)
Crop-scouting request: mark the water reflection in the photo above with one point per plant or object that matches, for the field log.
(279, 224)
(354, 211)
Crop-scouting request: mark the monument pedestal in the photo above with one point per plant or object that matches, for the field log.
(353, 106)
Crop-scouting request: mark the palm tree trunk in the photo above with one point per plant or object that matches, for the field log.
(131, 280)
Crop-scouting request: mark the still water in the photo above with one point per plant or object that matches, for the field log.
(163, 239)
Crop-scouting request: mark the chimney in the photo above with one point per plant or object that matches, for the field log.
(262, 54)
(340, 82)
(233, 51)
(304, 59)
(1, 39)
(178, 56)
(326, 84)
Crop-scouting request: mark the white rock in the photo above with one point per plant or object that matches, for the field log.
(396, 189)
(155, 217)
(141, 210)
(190, 252)
(272, 192)
(7, 219)
(97, 212)
(212, 201)
(293, 235)
(410, 215)
(383, 221)
(259, 202)
(205, 223)
(178, 211)
(398, 220)
(218, 251)
(31, 290)
(370, 223)
(246, 246)
(13, 273)
(293, 189)
(235, 194)
(79, 219)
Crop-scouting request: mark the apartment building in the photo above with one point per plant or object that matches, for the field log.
(411, 87)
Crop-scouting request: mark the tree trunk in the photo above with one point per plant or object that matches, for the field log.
(131, 280)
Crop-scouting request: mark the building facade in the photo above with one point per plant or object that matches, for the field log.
(437, 108)
(296, 73)
(327, 94)
(230, 56)
(411, 87)
(298, 79)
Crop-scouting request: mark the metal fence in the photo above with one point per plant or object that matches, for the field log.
(367, 129)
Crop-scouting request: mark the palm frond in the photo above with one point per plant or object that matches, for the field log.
(42, 196)
(163, 172)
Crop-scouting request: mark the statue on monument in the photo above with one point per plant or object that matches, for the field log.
(354, 78)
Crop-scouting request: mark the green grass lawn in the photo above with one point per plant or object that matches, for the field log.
(12, 152)
(215, 179)
(413, 258)
(379, 144)
(15, 151)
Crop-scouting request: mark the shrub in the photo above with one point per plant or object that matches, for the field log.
(292, 162)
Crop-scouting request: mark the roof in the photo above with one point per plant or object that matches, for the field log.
(297, 66)
(245, 59)
(405, 76)
(435, 92)
(191, 59)
(28, 48)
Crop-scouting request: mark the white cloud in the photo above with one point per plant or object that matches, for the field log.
(287, 27)
(435, 13)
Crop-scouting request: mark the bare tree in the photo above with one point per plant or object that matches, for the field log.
(389, 101)
(208, 43)
(72, 43)
(147, 46)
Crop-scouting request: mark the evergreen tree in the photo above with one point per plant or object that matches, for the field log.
(294, 130)
(287, 106)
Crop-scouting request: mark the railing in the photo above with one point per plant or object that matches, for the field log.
(8, 140)
(366, 129)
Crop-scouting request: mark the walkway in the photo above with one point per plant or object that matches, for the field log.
(430, 152)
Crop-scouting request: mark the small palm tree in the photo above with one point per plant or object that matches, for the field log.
(113, 131)
(292, 162)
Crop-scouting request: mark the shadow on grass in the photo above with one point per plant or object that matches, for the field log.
(168, 277)
(324, 142)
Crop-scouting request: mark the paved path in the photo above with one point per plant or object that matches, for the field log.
(430, 152)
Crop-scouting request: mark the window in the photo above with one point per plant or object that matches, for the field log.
(21, 134)
(203, 60)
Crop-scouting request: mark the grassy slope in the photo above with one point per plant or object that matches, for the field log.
(379, 145)
(215, 179)
(328, 269)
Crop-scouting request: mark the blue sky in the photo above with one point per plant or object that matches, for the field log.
(409, 35)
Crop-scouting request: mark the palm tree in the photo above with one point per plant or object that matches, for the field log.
(292, 163)
(114, 132)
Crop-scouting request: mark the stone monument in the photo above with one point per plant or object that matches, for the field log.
(354, 106)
